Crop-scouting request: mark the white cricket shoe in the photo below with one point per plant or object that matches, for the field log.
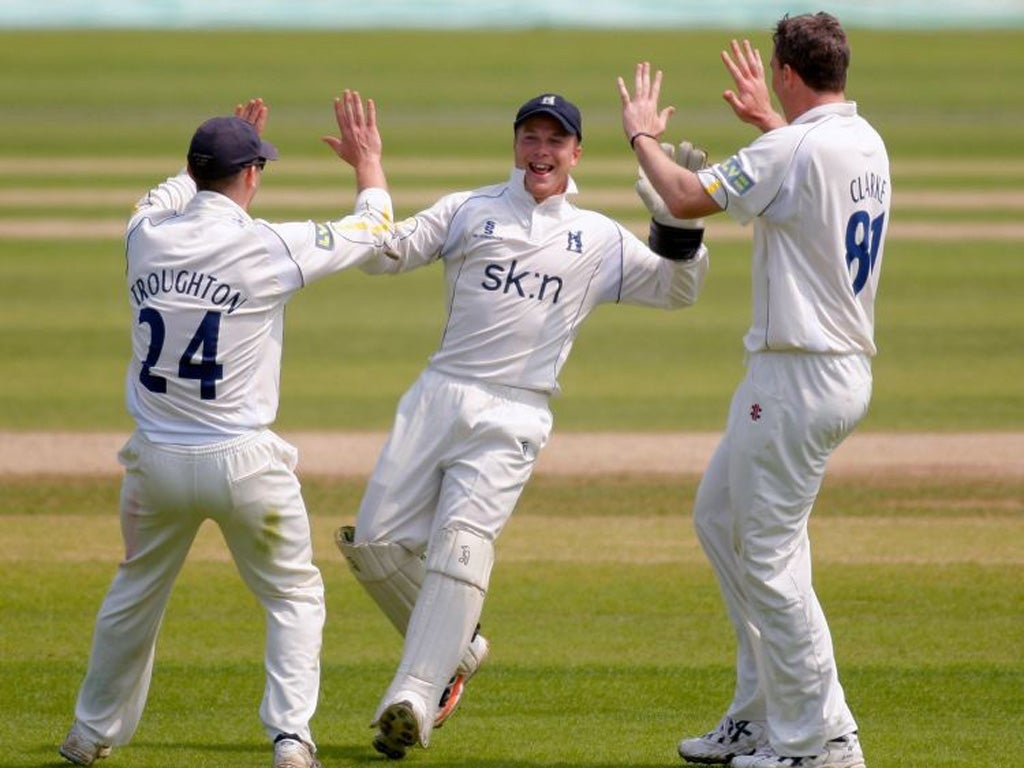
(728, 739)
(82, 749)
(477, 653)
(843, 752)
(292, 752)
(399, 728)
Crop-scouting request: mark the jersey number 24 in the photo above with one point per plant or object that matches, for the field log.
(208, 372)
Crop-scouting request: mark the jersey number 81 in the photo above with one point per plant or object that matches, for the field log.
(863, 238)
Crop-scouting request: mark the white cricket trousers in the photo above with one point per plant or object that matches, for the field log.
(753, 503)
(445, 484)
(458, 456)
(247, 486)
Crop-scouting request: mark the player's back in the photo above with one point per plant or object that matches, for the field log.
(844, 204)
(208, 321)
(818, 243)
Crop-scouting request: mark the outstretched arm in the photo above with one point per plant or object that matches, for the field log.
(750, 101)
(359, 143)
(643, 123)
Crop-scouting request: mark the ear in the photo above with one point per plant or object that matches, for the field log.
(790, 77)
(576, 152)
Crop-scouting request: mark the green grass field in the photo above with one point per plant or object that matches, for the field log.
(609, 638)
(610, 641)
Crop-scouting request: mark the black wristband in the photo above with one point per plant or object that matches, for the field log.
(674, 243)
(637, 135)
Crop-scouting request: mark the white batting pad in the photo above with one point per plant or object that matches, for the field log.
(463, 555)
(390, 574)
(439, 631)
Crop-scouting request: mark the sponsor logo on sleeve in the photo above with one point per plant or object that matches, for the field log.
(736, 177)
(324, 237)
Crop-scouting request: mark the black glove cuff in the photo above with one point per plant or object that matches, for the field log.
(674, 243)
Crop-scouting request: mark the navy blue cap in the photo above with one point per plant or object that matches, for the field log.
(565, 112)
(225, 145)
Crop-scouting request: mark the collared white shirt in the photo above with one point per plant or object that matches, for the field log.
(819, 193)
(207, 287)
(522, 276)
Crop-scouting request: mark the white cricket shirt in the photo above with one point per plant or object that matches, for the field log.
(207, 287)
(819, 193)
(522, 276)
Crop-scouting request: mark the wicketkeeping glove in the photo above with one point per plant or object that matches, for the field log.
(676, 239)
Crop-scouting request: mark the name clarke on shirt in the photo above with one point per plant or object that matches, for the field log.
(868, 185)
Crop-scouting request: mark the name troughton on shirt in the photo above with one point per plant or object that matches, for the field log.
(185, 282)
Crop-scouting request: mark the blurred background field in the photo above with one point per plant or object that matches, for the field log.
(93, 118)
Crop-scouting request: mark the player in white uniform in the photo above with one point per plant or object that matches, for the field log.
(207, 287)
(523, 267)
(816, 185)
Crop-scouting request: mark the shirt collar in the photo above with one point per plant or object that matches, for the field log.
(841, 108)
(207, 201)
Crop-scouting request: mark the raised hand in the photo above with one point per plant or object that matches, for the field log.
(359, 140)
(750, 101)
(640, 113)
(359, 143)
(254, 112)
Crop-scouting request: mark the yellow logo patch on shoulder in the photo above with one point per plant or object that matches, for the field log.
(324, 237)
(736, 177)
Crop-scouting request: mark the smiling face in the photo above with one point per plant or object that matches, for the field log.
(546, 152)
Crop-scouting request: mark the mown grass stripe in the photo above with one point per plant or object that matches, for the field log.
(67, 228)
(595, 196)
(445, 166)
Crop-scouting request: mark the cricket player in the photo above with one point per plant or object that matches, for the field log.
(207, 287)
(523, 268)
(816, 185)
